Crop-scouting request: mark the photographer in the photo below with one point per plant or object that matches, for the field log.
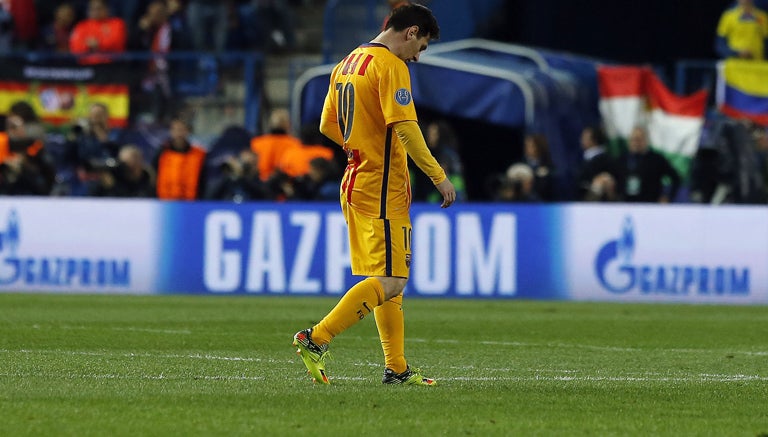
(239, 180)
(128, 176)
(90, 143)
(25, 167)
(516, 185)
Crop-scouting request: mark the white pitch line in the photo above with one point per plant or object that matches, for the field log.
(604, 348)
(532, 378)
(125, 328)
(564, 375)
(144, 355)
(571, 346)
(147, 377)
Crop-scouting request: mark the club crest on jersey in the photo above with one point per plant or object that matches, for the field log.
(403, 96)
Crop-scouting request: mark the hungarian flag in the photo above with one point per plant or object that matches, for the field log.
(633, 96)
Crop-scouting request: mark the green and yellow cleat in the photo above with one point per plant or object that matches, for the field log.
(409, 377)
(312, 354)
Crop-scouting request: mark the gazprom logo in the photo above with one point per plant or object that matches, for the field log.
(17, 269)
(618, 272)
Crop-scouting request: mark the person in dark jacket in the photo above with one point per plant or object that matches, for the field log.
(644, 174)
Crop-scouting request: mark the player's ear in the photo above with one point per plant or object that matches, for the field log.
(413, 32)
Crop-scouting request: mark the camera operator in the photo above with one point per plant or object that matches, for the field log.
(25, 168)
(90, 144)
(239, 180)
(516, 185)
(127, 176)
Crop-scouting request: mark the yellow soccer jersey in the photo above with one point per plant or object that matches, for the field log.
(744, 31)
(370, 90)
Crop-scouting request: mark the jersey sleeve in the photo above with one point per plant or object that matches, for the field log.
(395, 93)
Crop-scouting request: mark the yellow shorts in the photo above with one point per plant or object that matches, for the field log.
(378, 247)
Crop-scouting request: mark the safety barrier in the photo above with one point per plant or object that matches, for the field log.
(621, 252)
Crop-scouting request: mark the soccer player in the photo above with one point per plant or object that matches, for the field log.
(369, 111)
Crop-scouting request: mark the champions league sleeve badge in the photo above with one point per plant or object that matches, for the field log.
(403, 97)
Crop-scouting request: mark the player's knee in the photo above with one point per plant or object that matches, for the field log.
(392, 286)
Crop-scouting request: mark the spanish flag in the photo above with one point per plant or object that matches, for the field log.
(59, 104)
(742, 89)
(633, 96)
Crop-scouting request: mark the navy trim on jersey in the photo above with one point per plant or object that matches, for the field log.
(388, 250)
(385, 178)
(373, 44)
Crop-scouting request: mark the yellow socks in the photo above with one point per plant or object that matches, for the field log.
(391, 325)
(356, 303)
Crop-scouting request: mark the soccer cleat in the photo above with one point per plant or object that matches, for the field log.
(409, 377)
(312, 354)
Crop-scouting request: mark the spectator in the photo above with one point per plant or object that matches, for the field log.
(597, 162)
(179, 165)
(761, 152)
(271, 146)
(177, 18)
(643, 171)
(537, 156)
(239, 180)
(268, 25)
(154, 33)
(24, 32)
(25, 168)
(26, 116)
(743, 162)
(602, 188)
(741, 32)
(321, 183)
(209, 21)
(295, 161)
(55, 36)
(99, 33)
(6, 26)
(516, 185)
(90, 144)
(713, 168)
(127, 10)
(442, 142)
(128, 176)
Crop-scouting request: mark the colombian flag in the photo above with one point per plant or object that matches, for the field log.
(742, 89)
(635, 96)
(63, 103)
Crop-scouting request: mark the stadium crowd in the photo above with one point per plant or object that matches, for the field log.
(90, 158)
(81, 26)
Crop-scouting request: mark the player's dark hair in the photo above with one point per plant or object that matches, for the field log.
(414, 15)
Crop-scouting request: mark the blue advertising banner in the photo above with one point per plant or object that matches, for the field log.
(302, 249)
(637, 253)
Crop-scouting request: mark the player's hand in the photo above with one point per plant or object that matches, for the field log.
(448, 191)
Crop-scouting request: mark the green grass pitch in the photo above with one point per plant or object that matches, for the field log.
(200, 365)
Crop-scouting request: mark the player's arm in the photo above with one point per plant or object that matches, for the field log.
(329, 122)
(410, 135)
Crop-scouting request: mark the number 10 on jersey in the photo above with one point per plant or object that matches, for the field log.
(346, 105)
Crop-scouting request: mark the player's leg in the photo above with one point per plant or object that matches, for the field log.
(368, 245)
(391, 325)
(356, 303)
(368, 242)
